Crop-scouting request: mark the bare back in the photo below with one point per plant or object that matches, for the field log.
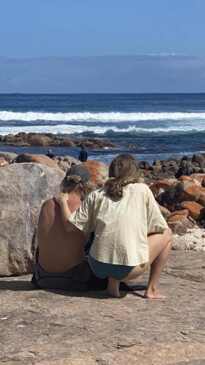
(58, 250)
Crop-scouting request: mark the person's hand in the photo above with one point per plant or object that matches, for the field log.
(61, 198)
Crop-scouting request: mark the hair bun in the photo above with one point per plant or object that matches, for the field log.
(76, 179)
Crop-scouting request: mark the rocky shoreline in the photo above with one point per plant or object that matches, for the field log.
(178, 186)
(52, 140)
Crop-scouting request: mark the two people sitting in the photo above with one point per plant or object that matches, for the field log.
(129, 232)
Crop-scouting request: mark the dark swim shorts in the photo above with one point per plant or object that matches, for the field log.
(79, 278)
(103, 270)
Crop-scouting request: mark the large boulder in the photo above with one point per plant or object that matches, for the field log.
(23, 188)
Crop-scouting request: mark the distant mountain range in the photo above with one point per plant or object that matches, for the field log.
(103, 74)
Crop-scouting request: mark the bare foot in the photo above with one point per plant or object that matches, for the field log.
(153, 294)
(113, 288)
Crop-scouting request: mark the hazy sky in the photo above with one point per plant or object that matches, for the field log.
(35, 28)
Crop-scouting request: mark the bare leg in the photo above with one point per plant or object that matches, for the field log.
(113, 287)
(160, 245)
(159, 248)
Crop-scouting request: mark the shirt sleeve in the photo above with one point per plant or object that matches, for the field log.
(82, 218)
(155, 220)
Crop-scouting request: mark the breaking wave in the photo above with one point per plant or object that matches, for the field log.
(98, 117)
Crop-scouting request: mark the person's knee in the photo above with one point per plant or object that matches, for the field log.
(169, 236)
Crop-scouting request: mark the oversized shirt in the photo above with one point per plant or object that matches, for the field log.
(120, 226)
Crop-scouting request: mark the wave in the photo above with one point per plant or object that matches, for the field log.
(97, 130)
(98, 117)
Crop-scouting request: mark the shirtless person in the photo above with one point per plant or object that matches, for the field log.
(60, 261)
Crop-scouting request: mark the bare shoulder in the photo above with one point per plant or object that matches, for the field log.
(47, 210)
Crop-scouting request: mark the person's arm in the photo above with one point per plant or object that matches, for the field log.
(81, 219)
(155, 220)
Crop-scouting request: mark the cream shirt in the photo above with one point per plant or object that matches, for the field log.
(120, 227)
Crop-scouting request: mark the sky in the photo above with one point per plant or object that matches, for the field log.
(102, 46)
(42, 28)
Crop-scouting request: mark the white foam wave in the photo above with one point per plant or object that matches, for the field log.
(97, 117)
(71, 129)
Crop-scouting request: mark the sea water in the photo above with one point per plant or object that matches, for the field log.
(150, 126)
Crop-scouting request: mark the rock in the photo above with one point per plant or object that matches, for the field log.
(179, 223)
(190, 191)
(200, 178)
(65, 162)
(49, 139)
(58, 328)
(178, 215)
(185, 168)
(199, 160)
(9, 156)
(160, 186)
(165, 212)
(39, 140)
(190, 178)
(196, 210)
(98, 171)
(3, 162)
(144, 165)
(23, 188)
(201, 199)
(194, 239)
(42, 159)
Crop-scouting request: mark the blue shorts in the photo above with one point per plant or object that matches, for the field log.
(103, 270)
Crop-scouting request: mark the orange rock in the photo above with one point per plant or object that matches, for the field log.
(161, 185)
(178, 215)
(183, 212)
(190, 191)
(185, 178)
(198, 177)
(195, 209)
(42, 159)
(98, 171)
(201, 199)
(190, 178)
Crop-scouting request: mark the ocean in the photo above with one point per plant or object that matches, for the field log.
(150, 126)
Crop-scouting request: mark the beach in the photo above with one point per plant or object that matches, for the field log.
(166, 135)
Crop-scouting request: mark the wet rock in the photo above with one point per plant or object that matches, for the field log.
(23, 188)
(39, 140)
(49, 139)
